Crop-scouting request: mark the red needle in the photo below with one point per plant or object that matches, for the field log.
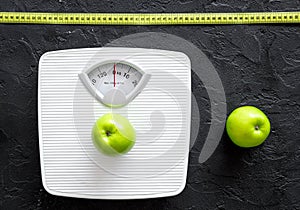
(115, 75)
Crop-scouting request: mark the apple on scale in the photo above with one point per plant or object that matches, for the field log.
(113, 134)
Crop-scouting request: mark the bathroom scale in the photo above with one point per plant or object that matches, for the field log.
(151, 88)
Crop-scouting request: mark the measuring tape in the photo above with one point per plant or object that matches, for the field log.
(149, 18)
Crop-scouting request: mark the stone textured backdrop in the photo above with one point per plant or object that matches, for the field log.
(259, 65)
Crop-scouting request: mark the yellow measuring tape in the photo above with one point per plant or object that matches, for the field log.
(149, 18)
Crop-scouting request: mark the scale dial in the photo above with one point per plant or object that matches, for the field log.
(114, 83)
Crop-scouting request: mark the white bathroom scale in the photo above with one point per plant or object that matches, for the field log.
(151, 88)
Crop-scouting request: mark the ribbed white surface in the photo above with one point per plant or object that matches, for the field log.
(155, 167)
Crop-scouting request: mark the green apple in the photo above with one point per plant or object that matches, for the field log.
(247, 126)
(113, 134)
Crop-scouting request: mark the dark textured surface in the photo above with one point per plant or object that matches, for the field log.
(259, 65)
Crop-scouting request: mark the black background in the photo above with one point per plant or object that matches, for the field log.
(259, 65)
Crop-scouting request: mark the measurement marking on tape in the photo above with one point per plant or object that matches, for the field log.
(149, 18)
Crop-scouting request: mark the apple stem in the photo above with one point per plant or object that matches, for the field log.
(108, 133)
(257, 127)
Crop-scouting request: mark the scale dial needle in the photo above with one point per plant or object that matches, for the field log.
(115, 75)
